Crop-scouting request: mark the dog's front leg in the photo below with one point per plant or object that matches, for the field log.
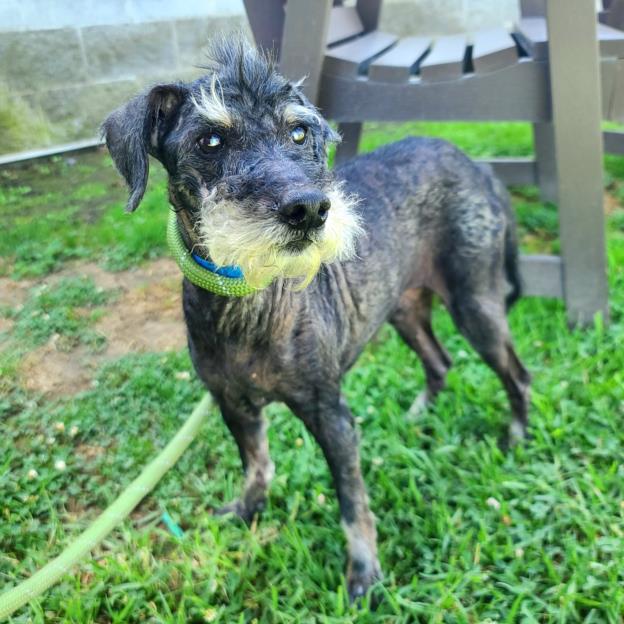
(331, 423)
(248, 427)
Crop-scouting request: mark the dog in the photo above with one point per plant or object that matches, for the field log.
(326, 257)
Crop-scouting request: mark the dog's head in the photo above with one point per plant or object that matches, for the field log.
(246, 155)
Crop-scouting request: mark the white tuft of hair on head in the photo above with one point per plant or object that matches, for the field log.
(211, 105)
(299, 83)
(258, 245)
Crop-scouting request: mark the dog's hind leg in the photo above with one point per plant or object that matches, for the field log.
(331, 423)
(483, 322)
(248, 427)
(412, 320)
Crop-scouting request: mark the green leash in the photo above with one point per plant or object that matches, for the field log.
(198, 275)
(50, 574)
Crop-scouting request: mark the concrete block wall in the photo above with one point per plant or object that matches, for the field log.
(70, 62)
(441, 17)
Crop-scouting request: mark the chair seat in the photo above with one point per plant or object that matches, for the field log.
(490, 74)
(385, 58)
(354, 57)
(532, 34)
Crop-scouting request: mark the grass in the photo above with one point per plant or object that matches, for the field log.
(552, 550)
(67, 309)
(81, 202)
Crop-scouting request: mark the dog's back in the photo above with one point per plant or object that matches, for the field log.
(425, 201)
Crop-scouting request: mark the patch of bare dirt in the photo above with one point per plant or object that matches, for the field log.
(145, 318)
(55, 373)
(13, 293)
(611, 203)
(145, 315)
(147, 273)
(6, 325)
(89, 451)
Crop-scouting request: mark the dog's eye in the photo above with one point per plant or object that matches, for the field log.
(298, 135)
(210, 142)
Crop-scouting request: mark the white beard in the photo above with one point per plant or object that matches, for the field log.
(258, 246)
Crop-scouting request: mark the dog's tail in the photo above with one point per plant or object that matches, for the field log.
(512, 269)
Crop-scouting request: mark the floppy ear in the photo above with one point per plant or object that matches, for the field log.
(136, 130)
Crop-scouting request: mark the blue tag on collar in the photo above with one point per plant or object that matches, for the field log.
(225, 271)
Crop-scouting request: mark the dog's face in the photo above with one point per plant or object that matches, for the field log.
(246, 155)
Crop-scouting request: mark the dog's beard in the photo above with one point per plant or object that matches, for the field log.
(260, 246)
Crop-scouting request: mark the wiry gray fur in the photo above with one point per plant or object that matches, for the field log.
(434, 223)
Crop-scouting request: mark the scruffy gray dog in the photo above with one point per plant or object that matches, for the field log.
(329, 257)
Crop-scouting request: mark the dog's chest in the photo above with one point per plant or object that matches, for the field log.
(242, 350)
(236, 368)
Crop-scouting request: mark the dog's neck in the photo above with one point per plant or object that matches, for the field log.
(259, 314)
(195, 263)
(184, 211)
(257, 317)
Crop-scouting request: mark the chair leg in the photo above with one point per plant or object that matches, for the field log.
(613, 141)
(305, 25)
(348, 148)
(576, 106)
(544, 143)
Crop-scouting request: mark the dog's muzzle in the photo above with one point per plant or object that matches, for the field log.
(305, 210)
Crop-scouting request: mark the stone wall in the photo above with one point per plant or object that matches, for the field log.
(68, 63)
(65, 64)
(440, 17)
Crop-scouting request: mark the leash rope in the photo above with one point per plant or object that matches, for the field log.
(50, 574)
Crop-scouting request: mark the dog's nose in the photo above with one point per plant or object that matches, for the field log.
(305, 210)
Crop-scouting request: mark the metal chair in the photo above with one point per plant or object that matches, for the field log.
(538, 73)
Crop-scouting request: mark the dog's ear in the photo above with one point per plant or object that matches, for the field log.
(138, 129)
(329, 134)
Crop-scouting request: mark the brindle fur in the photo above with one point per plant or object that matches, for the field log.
(434, 222)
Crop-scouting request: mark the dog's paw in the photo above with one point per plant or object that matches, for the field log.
(516, 435)
(235, 508)
(420, 405)
(238, 509)
(361, 577)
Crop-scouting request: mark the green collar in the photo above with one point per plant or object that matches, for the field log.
(205, 275)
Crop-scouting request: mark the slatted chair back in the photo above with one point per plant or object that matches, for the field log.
(267, 18)
(298, 28)
(533, 8)
(344, 23)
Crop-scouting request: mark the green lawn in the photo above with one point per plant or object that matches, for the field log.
(552, 550)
